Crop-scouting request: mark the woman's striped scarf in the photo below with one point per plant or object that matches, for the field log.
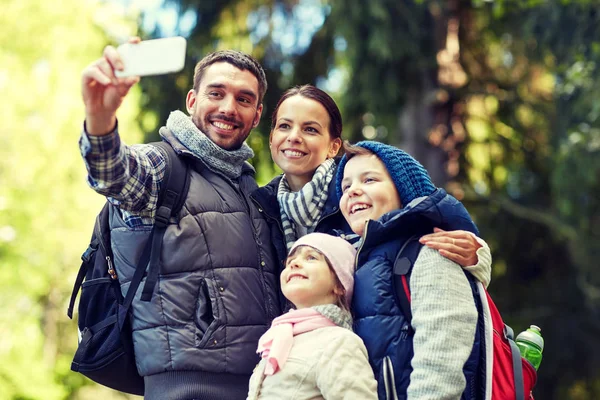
(304, 207)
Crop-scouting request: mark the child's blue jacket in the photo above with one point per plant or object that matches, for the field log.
(378, 319)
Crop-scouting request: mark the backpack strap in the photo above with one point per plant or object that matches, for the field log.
(176, 179)
(516, 362)
(405, 261)
(170, 200)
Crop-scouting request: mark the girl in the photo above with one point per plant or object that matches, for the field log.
(311, 352)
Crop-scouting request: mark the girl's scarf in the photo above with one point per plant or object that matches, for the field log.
(304, 207)
(275, 345)
(228, 162)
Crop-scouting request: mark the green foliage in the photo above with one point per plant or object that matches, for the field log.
(390, 44)
(521, 130)
(538, 193)
(46, 210)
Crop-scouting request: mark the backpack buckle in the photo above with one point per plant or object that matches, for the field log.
(508, 332)
(86, 257)
(161, 219)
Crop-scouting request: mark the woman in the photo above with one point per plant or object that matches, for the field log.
(306, 130)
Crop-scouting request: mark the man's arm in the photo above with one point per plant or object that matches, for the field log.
(129, 176)
(444, 319)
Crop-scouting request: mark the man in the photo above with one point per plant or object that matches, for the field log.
(217, 288)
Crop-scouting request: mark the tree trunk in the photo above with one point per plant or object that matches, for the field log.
(416, 120)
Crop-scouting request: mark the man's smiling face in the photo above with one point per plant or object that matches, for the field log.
(225, 107)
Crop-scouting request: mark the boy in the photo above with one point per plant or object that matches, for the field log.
(387, 197)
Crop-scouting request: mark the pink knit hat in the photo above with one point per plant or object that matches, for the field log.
(339, 253)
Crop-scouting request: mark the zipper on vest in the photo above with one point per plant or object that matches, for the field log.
(389, 380)
(285, 303)
(364, 239)
(261, 263)
(236, 187)
(279, 226)
(259, 207)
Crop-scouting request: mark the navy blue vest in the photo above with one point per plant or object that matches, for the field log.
(378, 319)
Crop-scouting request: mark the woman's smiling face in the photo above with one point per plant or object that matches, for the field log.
(300, 140)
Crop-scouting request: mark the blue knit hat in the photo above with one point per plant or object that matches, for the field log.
(409, 176)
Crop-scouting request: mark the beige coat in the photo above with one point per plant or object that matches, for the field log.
(327, 363)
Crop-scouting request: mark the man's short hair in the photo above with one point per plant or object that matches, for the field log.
(238, 59)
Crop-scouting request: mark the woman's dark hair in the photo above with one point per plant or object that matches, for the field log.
(318, 95)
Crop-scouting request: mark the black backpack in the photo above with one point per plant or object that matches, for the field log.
(105, 350)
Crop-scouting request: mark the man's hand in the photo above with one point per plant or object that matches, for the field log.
(458, 246)
(103, 92)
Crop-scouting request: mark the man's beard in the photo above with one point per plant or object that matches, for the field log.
(204, 125)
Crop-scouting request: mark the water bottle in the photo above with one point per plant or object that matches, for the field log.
(531, 345)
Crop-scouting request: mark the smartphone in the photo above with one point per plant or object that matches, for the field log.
(152, 57)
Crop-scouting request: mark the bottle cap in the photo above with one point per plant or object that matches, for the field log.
(532, 335)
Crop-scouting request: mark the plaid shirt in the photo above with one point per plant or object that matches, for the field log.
(129, 176)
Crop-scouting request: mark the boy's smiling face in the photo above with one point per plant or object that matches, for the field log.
(368, 191)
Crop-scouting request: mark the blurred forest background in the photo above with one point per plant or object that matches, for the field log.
(498, 98)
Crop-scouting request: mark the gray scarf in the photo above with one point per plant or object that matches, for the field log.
(335, 314)
(304, 207)
(228, 162)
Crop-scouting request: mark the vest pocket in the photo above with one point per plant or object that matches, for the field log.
(389, 380)
(205, 317)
